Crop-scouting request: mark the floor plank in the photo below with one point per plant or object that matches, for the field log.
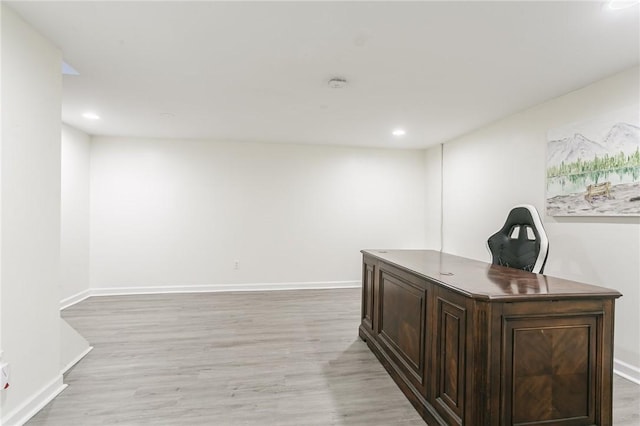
(289, 358)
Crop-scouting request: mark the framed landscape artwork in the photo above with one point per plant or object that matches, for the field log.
(593, 167)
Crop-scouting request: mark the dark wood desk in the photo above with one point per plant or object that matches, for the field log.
(470, 343)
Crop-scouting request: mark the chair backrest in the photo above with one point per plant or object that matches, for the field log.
(522, 242)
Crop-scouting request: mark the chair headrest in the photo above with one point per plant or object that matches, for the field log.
(521, 242)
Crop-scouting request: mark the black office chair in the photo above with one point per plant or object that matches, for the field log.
(522, 242)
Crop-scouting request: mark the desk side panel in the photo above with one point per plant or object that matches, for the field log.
(402, 327)
(552, 364)
(368, 295)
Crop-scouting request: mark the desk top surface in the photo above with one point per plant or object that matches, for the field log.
(482, 280)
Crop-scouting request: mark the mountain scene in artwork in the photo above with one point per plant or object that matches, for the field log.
(595, 177)
(622, 137)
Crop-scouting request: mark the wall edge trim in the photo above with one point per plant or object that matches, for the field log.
(72, 300)
(20, 415)
(628, 371)
(76, 360)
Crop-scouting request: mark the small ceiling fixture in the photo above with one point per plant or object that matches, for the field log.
(398, 132)
(91, 116)
(337, 83)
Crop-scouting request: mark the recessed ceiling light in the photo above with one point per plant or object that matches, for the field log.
(398, 132)
(91, 116)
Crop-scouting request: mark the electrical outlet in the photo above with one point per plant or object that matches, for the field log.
(236, 264)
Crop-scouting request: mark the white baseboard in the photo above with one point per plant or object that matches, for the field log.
(628, 371)
(124, 291)
(72, 300)
(23, 413)
(76, 360)
(121, 291)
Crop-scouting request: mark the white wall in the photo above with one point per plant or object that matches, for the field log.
(433, 200)
(489, 170)
(74, 220)
(30, 168)
(180, 213)
(1, 137)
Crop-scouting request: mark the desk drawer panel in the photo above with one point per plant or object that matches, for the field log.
(450, 356)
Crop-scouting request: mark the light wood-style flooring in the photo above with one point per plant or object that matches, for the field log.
(246, 358)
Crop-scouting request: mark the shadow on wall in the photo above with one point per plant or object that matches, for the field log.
(586, 248)
(571, 267)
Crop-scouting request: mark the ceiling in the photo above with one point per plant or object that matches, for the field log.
(258, 71)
